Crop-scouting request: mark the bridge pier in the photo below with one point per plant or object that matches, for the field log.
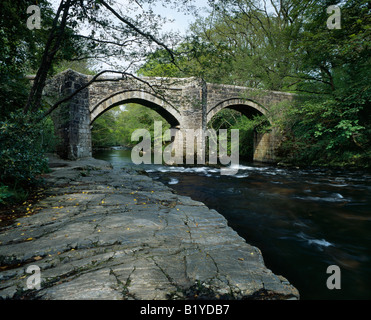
(188, 103)
(265, 145)
(72, 119)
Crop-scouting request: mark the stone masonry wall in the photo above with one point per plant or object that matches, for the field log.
(187, 103)
(72, 119)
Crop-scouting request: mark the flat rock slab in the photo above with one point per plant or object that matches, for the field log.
(104, 233)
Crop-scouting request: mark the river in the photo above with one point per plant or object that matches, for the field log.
(303, 220)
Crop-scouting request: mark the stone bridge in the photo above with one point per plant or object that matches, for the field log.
(187, 103)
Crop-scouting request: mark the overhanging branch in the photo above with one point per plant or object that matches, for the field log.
(58, 103)
(95, 78)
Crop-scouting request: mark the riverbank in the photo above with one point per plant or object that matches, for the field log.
(104, 233)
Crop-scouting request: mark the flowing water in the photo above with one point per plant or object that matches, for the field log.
(303, 220)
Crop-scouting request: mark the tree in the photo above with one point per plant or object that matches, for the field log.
(336, 67)
(287, 46)
(254, 43)
(159, 64)
(113, 34)
(19, 51)
(77, 31)
(116, 126)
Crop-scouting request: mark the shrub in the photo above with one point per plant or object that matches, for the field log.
(21, 150)
(4, 193)
(324, 133)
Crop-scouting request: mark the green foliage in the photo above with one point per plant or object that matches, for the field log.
(115, 127)
(193, 58)
(290, 48)
(321, 132)
(23, 138)
(246, 129)
(334, 128)
(287, 47)
(21, 49)
(17, 46)
(49, 141)
(159, 64)
(13, 93)
(4, 193)
(232, 119)
(21, 150)
(245, 45)
(82, 66)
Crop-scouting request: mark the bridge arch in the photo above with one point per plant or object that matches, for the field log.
(245, 106)
(261, 147)
(156, 103)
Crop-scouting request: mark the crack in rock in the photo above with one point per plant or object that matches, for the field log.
(114, 234)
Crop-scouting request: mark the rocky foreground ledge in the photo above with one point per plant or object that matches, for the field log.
(104, 233)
